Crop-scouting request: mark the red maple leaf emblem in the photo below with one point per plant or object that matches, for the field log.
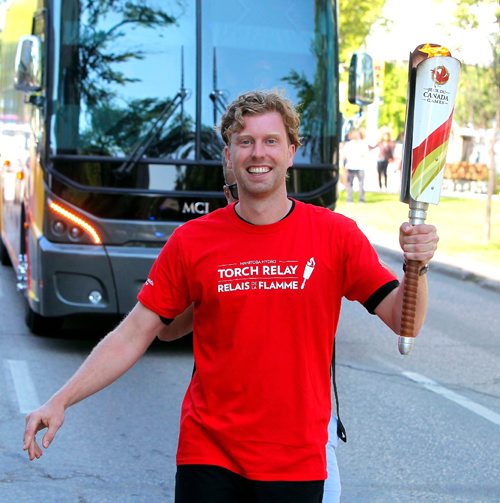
(440, 75)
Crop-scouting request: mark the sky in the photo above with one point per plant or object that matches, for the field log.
(417, 22)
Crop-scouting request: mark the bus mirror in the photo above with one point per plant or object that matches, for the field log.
(361, 82)
(28, 65)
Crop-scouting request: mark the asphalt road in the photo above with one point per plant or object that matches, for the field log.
(425, 427)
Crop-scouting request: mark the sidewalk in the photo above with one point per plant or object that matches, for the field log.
(458, 267)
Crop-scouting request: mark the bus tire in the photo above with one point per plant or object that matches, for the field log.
(4, 255)
(42, 325)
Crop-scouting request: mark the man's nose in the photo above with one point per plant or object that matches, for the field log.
(258, 149)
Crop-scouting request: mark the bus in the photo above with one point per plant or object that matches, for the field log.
(108, 131)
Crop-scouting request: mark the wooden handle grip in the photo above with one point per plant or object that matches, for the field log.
(410, 298)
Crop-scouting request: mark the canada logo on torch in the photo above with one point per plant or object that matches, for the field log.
(440, 75)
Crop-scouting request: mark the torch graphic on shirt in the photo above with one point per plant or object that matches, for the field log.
(308, 269)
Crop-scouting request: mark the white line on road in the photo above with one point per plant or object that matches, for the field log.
(27, 397)
(454, 397)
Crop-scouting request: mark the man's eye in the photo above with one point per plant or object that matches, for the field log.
(272, 141)
(245, 142)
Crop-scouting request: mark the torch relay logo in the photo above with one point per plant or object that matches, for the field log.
(264, 274)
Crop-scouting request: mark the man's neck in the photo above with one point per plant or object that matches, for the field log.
(263, 212)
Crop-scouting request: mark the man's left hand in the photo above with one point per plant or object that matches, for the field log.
(418, 242)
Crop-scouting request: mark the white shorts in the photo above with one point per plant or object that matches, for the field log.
(332, 483)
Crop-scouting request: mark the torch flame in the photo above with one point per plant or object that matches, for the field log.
(433, 50)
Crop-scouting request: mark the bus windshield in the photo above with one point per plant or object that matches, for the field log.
(150, 79)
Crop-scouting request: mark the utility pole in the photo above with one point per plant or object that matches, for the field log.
(491, 177)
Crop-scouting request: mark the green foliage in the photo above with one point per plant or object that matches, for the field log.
(355, 21)
(476, 98)
(392, 110)
(465, 14)
(479, 88)
(100, 50)
(458, 221)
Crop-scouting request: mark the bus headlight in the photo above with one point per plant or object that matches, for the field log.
(58, 227)
(70, 226)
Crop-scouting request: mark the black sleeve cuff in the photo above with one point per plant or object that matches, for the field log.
(377, 297)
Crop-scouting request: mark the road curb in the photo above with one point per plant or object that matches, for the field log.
(447, 269)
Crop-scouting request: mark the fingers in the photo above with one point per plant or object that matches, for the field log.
(30, 430)
(418, 242)
(34, 451)
(33, 425)
(35, 422)
(50, 434)
(409, 229)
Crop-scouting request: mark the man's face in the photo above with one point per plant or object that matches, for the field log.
(259, 155)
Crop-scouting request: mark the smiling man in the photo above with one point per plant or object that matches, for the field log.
(260, 155)
(255, 416)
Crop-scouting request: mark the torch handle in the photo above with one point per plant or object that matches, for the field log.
(407, 337)
(417, 214)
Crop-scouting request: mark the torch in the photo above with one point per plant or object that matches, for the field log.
(308, 269)
(432, 87)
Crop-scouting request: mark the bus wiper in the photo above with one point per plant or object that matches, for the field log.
(141, 148)
(217, 96)
(166, 113)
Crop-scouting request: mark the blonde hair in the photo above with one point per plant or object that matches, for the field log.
(257, 103)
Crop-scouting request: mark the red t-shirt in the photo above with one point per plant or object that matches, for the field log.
(266, 306)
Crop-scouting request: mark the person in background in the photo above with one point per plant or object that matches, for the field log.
(266, 275)
(230, 187)
(385, 156)
(355, 154)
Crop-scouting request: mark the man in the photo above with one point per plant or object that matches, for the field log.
(183, 325)
(266, 276)
(230, 186)
(355, 159)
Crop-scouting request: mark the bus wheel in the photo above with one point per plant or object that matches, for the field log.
(4, 256)
(42, 325)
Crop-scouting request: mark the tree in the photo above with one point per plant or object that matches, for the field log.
(392, 110)
(100, 50)
(480, 93)
(355, 22)
(477, 101)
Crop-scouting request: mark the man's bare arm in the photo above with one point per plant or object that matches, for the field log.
(179, 327)
(418, 243)
(110, 359)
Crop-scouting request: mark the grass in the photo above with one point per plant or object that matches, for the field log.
(460, 223)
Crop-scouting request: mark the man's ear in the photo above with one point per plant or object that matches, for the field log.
(291, 154)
